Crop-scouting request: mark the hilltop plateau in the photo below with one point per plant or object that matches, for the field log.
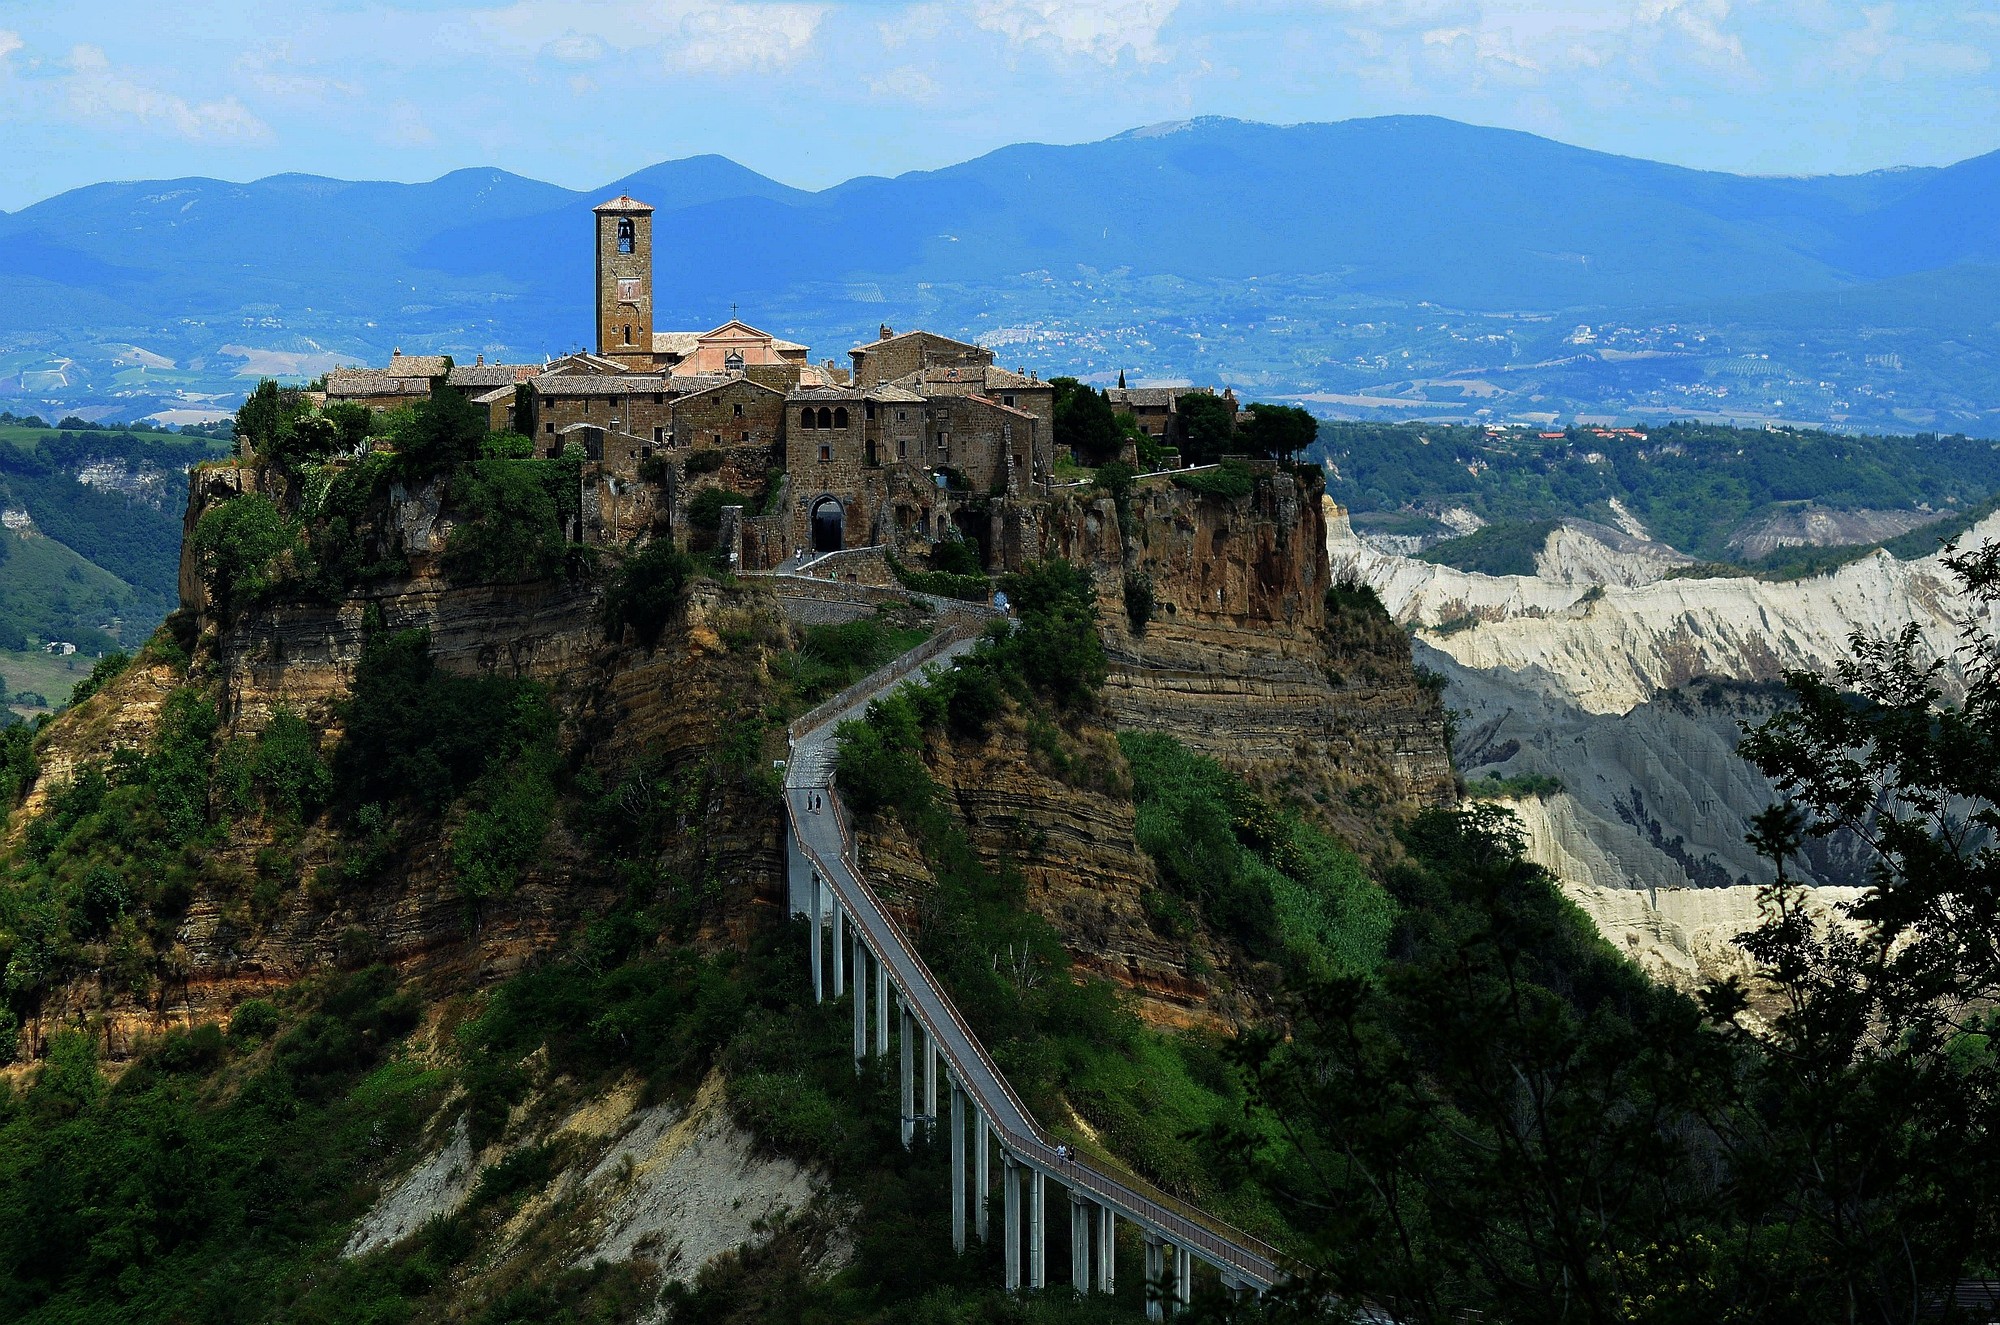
(1466, 273)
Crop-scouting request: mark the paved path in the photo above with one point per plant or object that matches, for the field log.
(827, 843)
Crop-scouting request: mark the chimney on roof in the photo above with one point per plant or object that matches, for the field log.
(396, 353)
(1121, 379)
(479, 361)
(886, 333)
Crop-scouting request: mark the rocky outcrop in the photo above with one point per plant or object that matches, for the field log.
(673, 1185)
(1067, 833)
(1238, 658)
(1609, 648)
(1812, 525)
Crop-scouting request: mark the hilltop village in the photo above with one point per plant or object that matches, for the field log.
(896, 450)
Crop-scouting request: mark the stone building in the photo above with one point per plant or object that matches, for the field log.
(894, 356)
(905, 448)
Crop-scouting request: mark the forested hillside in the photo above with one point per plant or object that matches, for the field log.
(96, 533)
(1690, 485)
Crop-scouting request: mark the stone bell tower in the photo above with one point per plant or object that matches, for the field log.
(625, 282)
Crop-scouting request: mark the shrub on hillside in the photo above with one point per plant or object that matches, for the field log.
(241, 548)
(509, 521)
(1232, 480)
(644, 592)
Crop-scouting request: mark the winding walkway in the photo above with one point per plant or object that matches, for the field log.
(829, 888)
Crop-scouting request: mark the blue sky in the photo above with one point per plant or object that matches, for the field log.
(582, 91)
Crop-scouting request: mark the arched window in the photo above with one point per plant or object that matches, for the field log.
(628, 335)
(840, 417)
(806, 417)
(825, 417)
(626, 238)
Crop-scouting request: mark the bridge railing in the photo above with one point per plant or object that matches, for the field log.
(882, 677)
(1175, 1218)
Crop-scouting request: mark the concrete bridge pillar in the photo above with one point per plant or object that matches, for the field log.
(1183, 1277)
(1156, 1278)
(1010, 1196)
(860, 1003)
(930, 1083)
(1107, 1249)
(982, 1153)
(906, 1039)
(1080, 1212)
(839, 948)
(818, 940)
(1037, 1270)
(957, 1169)
(881, 1008)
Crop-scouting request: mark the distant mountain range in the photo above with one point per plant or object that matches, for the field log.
(1392, 267)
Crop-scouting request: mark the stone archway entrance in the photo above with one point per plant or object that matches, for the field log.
(828, 522)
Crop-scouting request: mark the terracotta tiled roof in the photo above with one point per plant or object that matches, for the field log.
(1152, 397)
(352, 383)
(623, 203)
(676, 342)
(495, 396)
(419, 365)
(712, 383)
(905, 335)
(490, 374)
(600, 384)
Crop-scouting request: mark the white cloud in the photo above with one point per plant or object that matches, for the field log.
(9, 43)
(904, 83)
(406, 127)
(100, 93)
(690, 36)
(276, 71)
(1878, 49)
(1103, 30)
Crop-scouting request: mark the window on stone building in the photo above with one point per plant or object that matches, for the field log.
(825, 453)
(840, 417)
(899, 416)
(659, 436)
(868, 409)
(656, 397)
(739, 409)
(744, 436)
(549, 426)
(805, 418)
(1007, 401)
(626, 237)
(902, 448)
(628, 335)
(825, 417)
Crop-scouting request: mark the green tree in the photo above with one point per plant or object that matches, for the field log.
(1278, 431)
(645, 592)
(240, 547)
(1084, 422)
(436, 435)
(1208, 428)
(509, 522)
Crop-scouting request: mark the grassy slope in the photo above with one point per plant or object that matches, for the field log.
(48, 591)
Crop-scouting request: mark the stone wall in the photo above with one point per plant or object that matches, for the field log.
(737, 414)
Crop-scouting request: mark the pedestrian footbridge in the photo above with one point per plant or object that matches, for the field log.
(859, 951)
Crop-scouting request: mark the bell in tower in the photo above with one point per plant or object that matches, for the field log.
(625, 282)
